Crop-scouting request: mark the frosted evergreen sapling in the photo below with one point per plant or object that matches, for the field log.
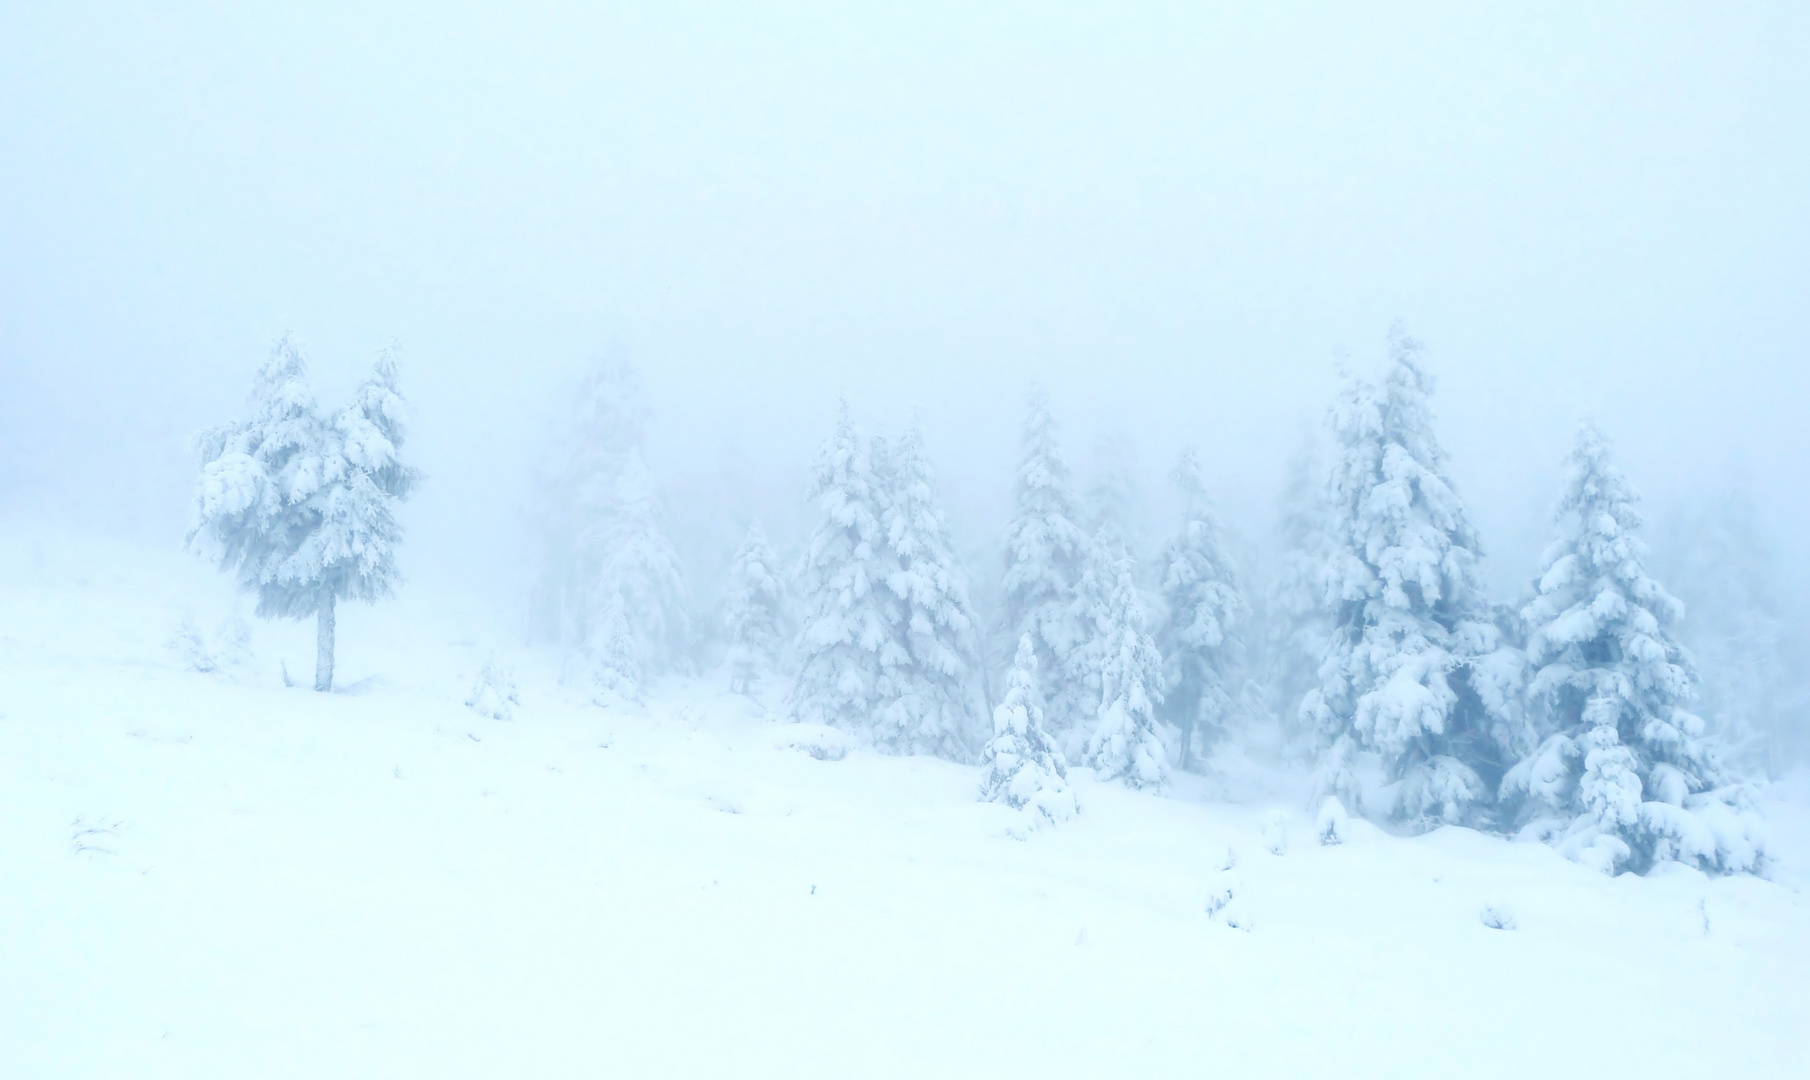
(1020, 765)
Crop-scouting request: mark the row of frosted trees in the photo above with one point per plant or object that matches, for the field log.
(871, 629)
(1564, 717)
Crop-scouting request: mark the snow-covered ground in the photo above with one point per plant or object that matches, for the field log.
(214, 875)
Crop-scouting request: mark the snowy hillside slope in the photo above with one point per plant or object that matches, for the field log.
(208, 874)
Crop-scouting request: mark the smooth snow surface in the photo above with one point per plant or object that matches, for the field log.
(212, 875)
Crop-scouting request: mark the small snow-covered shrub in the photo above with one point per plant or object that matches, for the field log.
(1331, 824)
(226, 650)
(493, 692)
(1224, 904)
(818, 740)
(1218, 899)
(186, 643)
(1441, 791)
(1497, 917)
(1275, 832)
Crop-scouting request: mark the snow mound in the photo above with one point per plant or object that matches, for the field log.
(817, 740)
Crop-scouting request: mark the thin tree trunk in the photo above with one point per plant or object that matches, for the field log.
(323, 647)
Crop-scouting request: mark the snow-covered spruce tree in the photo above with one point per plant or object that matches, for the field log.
(352, 554)
(1090, 617)
(1624, 777)
(301, 510)
(1124, 743)
(1045, 551)
(754, 614)
(1202, 635)
(1112, 503)
(1416, 710)
(637, 590)
(1296, 620)
(251, 506)
(611, 586)
(1020, 766)
(605, 425)
(846, 637)
(932, 704)
(1723, 565)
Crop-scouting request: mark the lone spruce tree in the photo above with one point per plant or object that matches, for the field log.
(1624, 776)
(302, 510)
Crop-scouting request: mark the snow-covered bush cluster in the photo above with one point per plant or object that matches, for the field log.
(225, 651)
(493, 692)
(1370, 652)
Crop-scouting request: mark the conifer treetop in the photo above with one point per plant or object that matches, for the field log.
(1409, 541)
(1045, 535)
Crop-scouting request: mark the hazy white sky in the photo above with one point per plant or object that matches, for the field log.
(1173, 215)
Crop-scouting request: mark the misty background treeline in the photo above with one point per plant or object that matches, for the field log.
(1714, 552)
(1354, 633)
(1170, 217)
